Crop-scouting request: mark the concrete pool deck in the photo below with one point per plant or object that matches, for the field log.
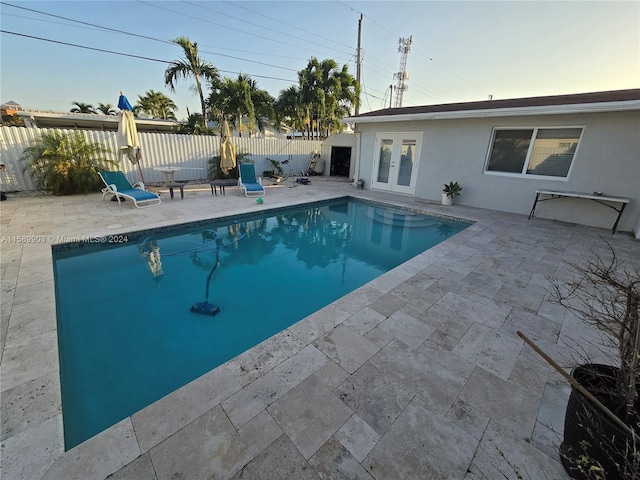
(418, 374)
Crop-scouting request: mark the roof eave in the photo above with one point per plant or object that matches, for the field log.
(502, 112)
(92, 119)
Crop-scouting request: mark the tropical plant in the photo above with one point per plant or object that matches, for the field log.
(106, 109)
(289, 110)
(214, 171)
(453, 189)
(242, 103)
(327, 93)
(277, 168)
(156, 105)
(191, 66)
(66, 164)
(193, 126)
(82, 108)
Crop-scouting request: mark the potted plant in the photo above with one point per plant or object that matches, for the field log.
(602, 420)
(360, 183)
(450, 191)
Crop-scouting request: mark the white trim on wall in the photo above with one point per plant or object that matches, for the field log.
(503, 112)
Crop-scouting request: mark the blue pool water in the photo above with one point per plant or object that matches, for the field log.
(126, 332)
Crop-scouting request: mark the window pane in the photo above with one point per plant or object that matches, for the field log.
(553, 151)
(509, 150)
(385, 161)
(406, 162)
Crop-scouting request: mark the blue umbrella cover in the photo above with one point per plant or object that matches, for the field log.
(123, 103)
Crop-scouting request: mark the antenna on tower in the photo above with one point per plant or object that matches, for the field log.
(404, 47)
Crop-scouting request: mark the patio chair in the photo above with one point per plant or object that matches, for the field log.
(118, 185)
(248, 182)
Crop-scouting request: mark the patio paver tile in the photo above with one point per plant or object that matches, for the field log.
(418, 446)
(209, 447)
(309, 414)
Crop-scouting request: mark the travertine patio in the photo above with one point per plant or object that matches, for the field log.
(418, 374)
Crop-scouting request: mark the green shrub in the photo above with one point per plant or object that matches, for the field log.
(214, 171)
(66, 164)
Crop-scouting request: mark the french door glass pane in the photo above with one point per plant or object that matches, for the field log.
(406, 162)
(386, 147)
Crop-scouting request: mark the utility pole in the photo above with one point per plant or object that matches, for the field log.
(404, 46)
(358, 66)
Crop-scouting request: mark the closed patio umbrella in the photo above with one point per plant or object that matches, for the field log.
(127, 136)
(227, 149)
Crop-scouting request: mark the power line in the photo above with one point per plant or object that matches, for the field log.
(287, 24)
(236, 30)
(258, 25)
(84, 46)
(76, 23)
(129, 54)
(86, 23)
(115, 30)
(450, 72)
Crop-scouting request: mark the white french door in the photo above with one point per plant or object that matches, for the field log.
(395, 166)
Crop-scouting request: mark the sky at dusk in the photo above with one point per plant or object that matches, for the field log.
(462, 50)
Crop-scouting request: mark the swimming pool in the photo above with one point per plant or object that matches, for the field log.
(127, 334)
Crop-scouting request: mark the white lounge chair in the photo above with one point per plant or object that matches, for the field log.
(248, 182)
(118, 185)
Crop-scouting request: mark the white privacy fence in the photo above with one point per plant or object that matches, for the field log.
(190, 152)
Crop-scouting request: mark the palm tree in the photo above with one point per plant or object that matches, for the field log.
(193, 126)
(263, 103)
(106, 109)
(191, 65)
(241, 99)
(156, 105)
(289, 110)
(327, 93)
(82, 108)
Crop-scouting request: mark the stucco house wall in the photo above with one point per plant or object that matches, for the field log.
(607, 160)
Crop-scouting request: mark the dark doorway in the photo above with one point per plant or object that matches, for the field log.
(340, 161)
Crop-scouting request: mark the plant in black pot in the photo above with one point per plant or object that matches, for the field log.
(602, 420)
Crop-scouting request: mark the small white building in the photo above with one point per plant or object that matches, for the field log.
(339, 155)
(503, 151)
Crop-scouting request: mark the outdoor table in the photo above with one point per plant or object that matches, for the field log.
(169, 173)
(176, 185)
(221, 183)
(595, 196)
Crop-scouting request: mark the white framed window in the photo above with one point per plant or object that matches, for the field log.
(533, 151)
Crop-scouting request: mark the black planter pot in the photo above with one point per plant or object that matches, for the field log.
(590, 437)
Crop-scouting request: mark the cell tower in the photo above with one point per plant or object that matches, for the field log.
(404, 47)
